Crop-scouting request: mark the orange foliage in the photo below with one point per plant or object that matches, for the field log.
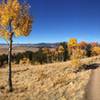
(95, 50)
(82, 45)
(94, 44)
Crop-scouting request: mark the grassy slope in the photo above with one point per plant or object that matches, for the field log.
(44, 82)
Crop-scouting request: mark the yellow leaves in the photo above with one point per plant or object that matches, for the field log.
(75, 50)
(75, 63)
(80, 53)
(72, 42)
(17, 32)
(23, 26)
(27, 26)
(4, 20)
(8, 10)
(19, 13)
(14, 8)
(4, 34)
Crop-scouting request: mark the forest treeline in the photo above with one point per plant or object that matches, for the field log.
(63, 52)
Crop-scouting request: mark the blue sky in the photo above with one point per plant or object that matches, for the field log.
(59, 20)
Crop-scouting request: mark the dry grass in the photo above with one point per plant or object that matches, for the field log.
(44, 82)
(17, 49)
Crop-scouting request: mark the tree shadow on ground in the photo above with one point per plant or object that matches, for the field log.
(16, 71)
(88, 67)
(91, 66)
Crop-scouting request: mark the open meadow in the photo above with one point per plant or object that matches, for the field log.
(57, 81)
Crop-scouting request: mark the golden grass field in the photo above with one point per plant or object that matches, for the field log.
(17, 49)
(56, 81)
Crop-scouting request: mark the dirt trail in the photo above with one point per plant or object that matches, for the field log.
(93, 88)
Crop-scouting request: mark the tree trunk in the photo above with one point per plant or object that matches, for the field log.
(47, 58)
(9, 64)
(61, 57)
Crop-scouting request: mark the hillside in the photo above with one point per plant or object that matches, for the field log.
(57, 81)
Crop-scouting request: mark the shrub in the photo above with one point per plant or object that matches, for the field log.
(18, 57)
(95, 51)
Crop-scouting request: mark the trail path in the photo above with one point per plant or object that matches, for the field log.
(93, 88)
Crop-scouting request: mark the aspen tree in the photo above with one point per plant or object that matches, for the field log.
(15, 20)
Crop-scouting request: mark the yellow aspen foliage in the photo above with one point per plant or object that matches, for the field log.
(18, 14)
(72, 46)
(80, 53)
(76, 53)
(72, 43)
(14, 20)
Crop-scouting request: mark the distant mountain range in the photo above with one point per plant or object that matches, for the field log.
(26, 47)
(38, 45)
